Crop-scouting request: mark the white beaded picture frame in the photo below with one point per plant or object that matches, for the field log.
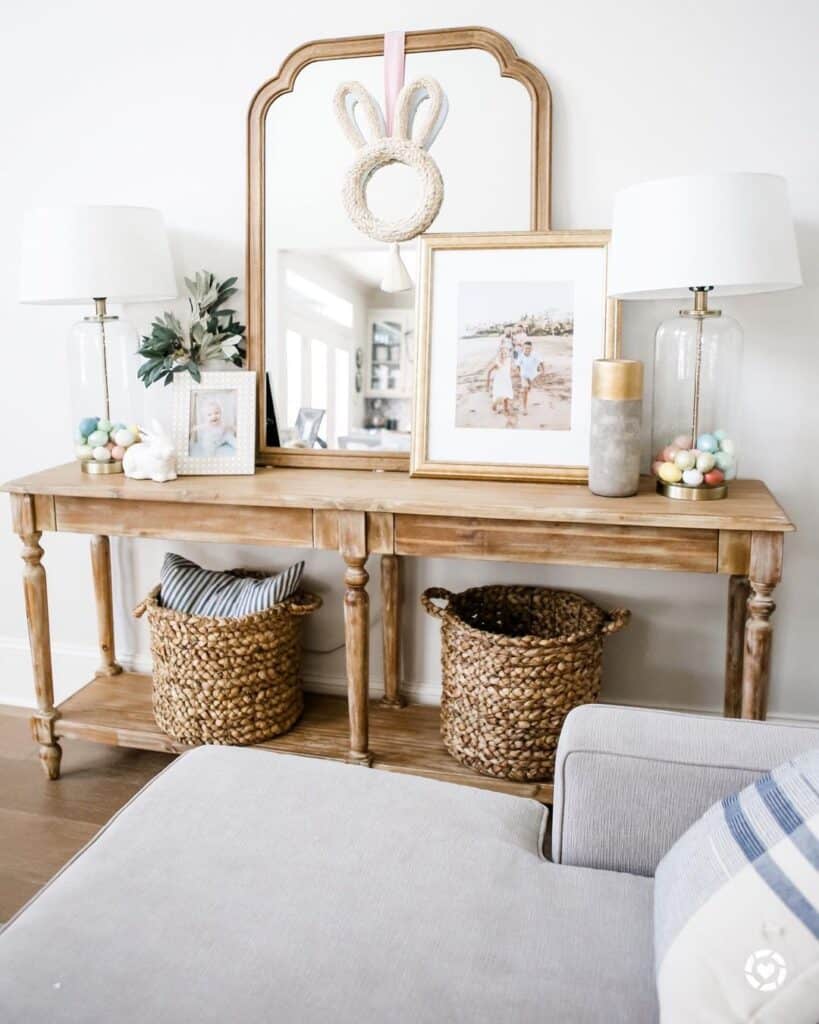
(214, 423)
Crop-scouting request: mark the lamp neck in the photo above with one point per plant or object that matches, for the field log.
(700, 308)
(100, 312)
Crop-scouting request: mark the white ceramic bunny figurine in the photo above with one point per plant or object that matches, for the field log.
(408, 145)
(153, 459)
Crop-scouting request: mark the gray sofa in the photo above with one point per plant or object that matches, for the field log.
(243, 886)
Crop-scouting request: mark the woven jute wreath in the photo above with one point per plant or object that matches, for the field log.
(218, 680)
(407, 145)
(515, 661)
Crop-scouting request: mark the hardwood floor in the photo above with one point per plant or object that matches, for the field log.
(43, 824)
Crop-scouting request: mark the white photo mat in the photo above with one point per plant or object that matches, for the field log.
(214, 423)
(448, 265)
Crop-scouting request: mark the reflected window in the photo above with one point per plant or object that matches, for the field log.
(293, 372)
(342, 386)
(318, 374)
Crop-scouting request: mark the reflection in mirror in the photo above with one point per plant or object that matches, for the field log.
(334, 340)
(348, 350)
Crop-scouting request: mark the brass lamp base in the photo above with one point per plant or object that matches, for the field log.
(683, 492)
(101, 467)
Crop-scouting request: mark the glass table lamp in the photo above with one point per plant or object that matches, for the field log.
(93, 254)
(726, 234)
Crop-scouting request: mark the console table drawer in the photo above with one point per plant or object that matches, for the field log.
(557, 543)
(229, 524)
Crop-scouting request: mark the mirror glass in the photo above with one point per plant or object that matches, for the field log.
(334, 340)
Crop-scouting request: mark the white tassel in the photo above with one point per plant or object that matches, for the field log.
(397, 277)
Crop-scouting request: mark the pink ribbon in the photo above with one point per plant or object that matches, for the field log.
(394, 59)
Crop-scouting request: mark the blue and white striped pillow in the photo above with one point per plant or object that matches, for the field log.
(186, 587)
(736, 906)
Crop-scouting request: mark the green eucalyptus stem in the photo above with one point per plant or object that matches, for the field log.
(213, 333)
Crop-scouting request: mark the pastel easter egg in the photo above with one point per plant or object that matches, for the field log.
(696, 452)
(84, 452)
(655, 466)
(670, 452)
(705, 462)
(720, 435)
(118, 452)
(727, 445)
(724, 461)
(97, 438)
(685, 460)
(134, 428)
(707, 443)
(682, 441)
(124, 438)
(88, 425)
(670, 473)
(715, 476)
(106, 425)
(101, 454)
(731, 472)
(692, 477)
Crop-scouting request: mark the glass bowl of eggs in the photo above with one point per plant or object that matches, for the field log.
(698, 470)
(100, 445)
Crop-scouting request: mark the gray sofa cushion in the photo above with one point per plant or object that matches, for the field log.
(242, 885)
(630, 781)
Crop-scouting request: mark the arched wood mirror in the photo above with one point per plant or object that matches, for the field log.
(333, 352)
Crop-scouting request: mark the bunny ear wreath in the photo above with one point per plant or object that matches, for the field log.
(404, 147)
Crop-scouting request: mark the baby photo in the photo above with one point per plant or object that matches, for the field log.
(514, 366)
(212, 429)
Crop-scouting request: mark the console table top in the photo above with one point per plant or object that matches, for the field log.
(749, 505)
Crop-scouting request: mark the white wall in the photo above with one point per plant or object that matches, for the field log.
(145, 103)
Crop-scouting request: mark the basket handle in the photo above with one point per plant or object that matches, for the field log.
(615, 620)
(308, 603)
(142, 607)
(436, 594)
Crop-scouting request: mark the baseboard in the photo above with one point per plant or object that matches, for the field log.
(74, 665)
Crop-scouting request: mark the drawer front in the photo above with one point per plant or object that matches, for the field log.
(179, 521)
(557, 543)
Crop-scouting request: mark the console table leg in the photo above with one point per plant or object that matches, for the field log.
(103, 594)
(390, 609)
(39, 638)
(738, 591)
(765, 573)
(357, 638)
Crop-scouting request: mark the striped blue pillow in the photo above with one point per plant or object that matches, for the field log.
(186, 587)
(736, 906)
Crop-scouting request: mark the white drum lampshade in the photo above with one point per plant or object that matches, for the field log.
(730, 234)
(85, 254)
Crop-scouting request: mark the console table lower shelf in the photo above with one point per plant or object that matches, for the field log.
(117, 710)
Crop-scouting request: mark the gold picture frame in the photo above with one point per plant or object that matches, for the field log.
(425, 464)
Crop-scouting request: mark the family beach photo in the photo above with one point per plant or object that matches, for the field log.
(514, 365)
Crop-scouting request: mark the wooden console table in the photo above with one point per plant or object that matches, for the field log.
(360, 513)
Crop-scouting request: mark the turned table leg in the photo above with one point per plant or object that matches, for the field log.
(738, 591)
(103, 595)
(765, 572)
(353, 544)
(36, 595)
(391, 633)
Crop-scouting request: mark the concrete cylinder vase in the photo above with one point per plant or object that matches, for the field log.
(616, 422)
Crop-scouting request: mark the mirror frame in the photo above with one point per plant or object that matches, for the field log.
(511, 66)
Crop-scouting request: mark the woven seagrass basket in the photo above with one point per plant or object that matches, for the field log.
(515, 661)
(234, 681)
